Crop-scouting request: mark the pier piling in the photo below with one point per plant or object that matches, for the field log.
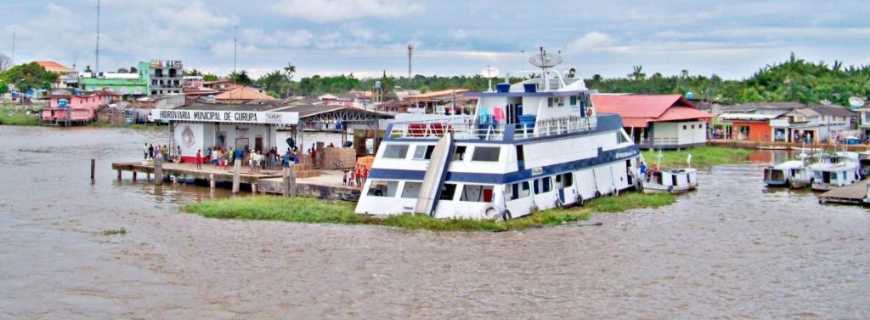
(237, 168)
(158, 171)
(93, 167)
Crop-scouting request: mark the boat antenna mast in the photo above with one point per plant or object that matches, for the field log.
(545, 61)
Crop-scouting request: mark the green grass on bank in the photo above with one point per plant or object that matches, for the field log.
(309, 210)
(17, 117)
(703, 156)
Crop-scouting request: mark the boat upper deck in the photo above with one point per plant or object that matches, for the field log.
(464, 128)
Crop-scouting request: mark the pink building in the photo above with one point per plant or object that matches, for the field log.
(75, 108)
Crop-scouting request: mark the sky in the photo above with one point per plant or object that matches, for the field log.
(732, 38)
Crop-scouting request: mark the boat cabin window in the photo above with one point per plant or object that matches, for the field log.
(459, 154)
(396, 151)
(447, 191)
(521, 155)
(573, 100)
(542, 185)
(383, 188)
(565, 180)
(476, 193)
(620, 137)
(486, 154)
(423, 152)
(519, 190)
(411, 190)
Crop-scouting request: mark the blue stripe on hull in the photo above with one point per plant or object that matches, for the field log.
(511, 177)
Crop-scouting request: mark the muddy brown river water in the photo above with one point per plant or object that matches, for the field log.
(730, 250)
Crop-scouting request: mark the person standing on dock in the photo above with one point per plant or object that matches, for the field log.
(151, 151)
(145, 151)
(198, 159)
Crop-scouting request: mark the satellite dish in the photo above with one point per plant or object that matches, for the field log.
(856, 102)
(489, 72)
(545, 60)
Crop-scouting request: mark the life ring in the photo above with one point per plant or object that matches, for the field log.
(670, 188)
(506, 215)
(490, 212)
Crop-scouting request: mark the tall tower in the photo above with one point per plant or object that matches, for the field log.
(97, 64)
(11, 63)
(410, 54)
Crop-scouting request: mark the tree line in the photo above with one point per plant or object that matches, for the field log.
(795, 80)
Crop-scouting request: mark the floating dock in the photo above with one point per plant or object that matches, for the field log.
(851, 194)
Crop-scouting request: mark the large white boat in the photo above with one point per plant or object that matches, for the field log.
(533, 145)
(835, 170)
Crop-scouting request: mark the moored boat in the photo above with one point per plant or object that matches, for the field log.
(835, 170)
(673, 181)
(529, 146)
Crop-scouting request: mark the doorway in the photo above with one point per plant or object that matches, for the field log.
(258, 144)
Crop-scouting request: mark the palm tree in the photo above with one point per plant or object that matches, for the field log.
(638, 73)
(289, 72)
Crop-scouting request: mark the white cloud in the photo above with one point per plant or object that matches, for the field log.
(592, 41)
(340, 10)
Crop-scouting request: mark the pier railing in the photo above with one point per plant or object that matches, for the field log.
(466, 128)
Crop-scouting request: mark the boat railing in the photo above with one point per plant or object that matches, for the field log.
(466, 128)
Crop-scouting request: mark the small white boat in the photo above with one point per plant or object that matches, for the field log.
(673, 181)
(835, 170)
(792, 174)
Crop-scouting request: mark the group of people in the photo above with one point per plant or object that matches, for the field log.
(255, 159)
(162, 152)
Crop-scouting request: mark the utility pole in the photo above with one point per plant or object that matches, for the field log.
(235, 55)
(97, 64)
(410, 54)
(11, 63)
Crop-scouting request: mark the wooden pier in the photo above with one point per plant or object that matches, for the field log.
(210, 173)
(771, 145)
(851, 194)
(324, 184)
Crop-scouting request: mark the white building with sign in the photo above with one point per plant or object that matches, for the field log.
(197, 127)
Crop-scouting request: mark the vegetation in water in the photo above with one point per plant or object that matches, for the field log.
(702, 156)
(11, 116)
(112, 232)
(310, 210)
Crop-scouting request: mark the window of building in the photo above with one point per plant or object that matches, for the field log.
(459, 154)
(423, 152)
(550, 102)
(448, 190)
(684, 127)
(486, 154)
(383, 188)
(396, 151)
(411, 190)
(560, 101)
(573, 100)
(476, 193)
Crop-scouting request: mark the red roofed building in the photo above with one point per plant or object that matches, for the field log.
(657, 121)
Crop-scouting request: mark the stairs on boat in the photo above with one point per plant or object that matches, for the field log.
(436, 173)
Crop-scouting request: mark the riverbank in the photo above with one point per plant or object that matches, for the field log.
(309, 210)
(702, 156)
(10, 116)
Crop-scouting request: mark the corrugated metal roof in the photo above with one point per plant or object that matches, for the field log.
(243, 93)
(639, 110)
